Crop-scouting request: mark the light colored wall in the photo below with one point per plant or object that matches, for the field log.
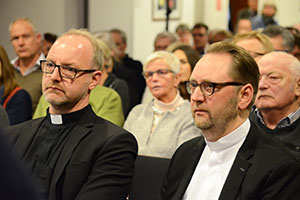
(133, 16)
(105, 15)
(216, 17)
(55, 16)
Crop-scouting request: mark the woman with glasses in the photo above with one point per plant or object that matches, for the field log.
(166, 122)
(15, 100)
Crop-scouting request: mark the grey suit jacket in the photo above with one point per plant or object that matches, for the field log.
(97, 161)
(262, 169)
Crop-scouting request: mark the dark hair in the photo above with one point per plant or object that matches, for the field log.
(190, 53)
(7, 77)
(244, 68)
(200, 25)
(50, 37)
(121, 33)
(276, 30)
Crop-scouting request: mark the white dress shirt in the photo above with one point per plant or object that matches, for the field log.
(214, 165)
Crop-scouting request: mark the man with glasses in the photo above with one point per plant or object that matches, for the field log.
(233, 160)
(277, 111)
(72, 153)
(200, 37)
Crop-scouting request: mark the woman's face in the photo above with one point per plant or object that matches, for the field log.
(185, 67)
(162, 83)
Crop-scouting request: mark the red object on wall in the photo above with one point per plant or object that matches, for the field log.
(219, 5)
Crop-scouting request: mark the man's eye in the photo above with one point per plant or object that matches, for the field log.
(70, 69)
(50, 65)
(161, 72)
(273, 77)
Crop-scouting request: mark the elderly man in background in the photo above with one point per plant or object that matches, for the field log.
(277, 102)
(26, 42)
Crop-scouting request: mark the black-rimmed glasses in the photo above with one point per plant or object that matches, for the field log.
(48, 67)
(208, 88)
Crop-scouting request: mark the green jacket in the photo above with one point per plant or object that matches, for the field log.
(106, 103)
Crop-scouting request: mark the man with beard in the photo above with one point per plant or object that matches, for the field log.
(72, 153)
(267, 16)
(233, 160)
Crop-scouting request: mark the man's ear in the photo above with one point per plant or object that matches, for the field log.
(297, 87)
(96, 77)
(245, 96)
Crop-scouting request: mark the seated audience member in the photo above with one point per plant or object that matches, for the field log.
(243, 26)
(200, 37)
(278, 98)
(296, 50)
(233, 159)
(217, 35)
(47, 42)
(4, 121)
(72, 153)
(26, 41)
(267, 16)
(166, 122)
(105, 102)
(256, 43)
(184, 34)
(130, 70)
(110, 80)
(281, 38)
(188, 58)
(249, 12)
(163, 40)
(15, 100)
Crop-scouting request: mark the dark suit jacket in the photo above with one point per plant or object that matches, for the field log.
(262, 169)
(97, 161)
(15, 183)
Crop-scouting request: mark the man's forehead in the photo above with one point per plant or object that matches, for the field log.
(212, 65)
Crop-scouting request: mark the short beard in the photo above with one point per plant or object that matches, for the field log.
(220, 123)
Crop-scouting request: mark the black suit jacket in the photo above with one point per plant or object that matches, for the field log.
(97, 161)
(262, 169)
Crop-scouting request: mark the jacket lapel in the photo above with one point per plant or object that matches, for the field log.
(240, 167)
(191, 166)
(28, 132)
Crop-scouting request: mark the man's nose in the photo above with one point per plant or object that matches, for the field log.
(197, 95)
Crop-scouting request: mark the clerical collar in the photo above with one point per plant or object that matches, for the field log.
(66, 118)
(231, 139)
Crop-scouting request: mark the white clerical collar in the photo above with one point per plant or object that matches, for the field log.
(231, 139)
(56, 119)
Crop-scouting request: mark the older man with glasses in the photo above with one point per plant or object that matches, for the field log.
(72, 153)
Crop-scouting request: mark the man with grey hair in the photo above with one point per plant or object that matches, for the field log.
(281, 38)
(26, 42)
(72, 153)
(277, 102)
(163, 40)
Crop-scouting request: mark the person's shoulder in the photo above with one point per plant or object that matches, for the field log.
(103, 92)
(270, 149)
